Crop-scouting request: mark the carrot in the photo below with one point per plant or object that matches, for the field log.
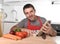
(13, 37)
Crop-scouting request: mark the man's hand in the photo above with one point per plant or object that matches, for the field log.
(47, 28)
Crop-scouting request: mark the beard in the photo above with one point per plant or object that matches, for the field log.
(32, 18)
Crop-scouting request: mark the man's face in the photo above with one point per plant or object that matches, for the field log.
(30, 13)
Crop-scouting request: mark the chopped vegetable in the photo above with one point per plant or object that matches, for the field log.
(22, 34)
(13, 37)
(17, 30)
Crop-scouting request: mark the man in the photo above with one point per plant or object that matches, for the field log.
(33, 22)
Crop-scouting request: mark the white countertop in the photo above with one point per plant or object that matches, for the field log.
(36, 40)
(57, 39)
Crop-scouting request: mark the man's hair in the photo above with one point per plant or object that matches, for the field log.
(28, 6)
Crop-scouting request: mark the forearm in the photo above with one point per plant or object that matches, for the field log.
(53, 32)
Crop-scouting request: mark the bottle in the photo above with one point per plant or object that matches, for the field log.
(1, 14)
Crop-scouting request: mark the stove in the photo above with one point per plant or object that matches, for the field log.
(57, 28)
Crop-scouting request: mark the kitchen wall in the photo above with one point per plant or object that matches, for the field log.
(44, 8)
(0, 5)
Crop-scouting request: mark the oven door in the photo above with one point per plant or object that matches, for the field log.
(57, 28)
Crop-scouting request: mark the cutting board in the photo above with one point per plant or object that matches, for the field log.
(29, 40)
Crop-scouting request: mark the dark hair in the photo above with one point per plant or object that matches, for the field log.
(28, 6)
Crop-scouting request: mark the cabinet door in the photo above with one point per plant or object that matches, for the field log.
(7, 12)
(7, 27)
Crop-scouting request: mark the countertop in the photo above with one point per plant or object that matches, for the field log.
(32, 40)
(57, 39)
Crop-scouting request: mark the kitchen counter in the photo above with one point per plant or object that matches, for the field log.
(31, 40)
(57, 39)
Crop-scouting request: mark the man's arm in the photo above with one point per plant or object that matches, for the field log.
(48, 29)
(53, 32)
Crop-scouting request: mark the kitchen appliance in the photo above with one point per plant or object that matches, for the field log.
(57, 28)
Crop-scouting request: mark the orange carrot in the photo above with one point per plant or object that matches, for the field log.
(13, 37)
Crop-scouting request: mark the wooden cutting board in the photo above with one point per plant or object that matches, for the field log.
(29, 40)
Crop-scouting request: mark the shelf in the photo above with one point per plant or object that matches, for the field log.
(56, 2)
(10, 21)
(16, 2)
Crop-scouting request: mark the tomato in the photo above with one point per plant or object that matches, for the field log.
(20, 34)
(17, 33)
(24, 33)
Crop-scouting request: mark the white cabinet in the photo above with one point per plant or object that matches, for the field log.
(14, 13)
(7, 26)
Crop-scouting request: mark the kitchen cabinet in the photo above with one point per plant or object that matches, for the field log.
(7, 26)
(13, 13)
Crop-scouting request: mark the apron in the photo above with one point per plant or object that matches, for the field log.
(34, 27)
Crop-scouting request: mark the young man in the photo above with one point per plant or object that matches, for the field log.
(33, 22)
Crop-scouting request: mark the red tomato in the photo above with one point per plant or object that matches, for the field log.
(20, 34)
(25, 33)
